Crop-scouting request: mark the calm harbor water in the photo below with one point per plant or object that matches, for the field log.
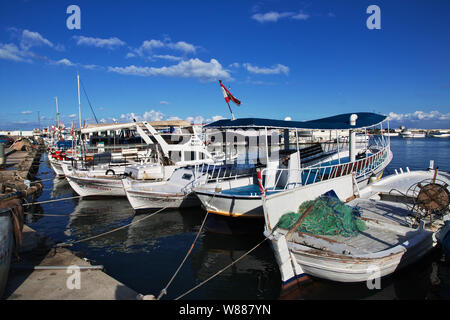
(145, 255)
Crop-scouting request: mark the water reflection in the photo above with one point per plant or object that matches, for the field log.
(256, 275)
(93, 217)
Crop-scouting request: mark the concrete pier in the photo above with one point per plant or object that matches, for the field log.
(43, 272)
(26, 283)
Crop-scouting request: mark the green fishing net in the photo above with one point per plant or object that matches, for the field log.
(329, 216)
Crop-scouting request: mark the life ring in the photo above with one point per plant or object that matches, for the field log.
(110, 170)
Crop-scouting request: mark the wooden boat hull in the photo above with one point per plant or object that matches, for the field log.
(173, 193)
(387, 245)
(344, 269)
(96, 187)
(154, 200)
(232, 205)
(6, 248)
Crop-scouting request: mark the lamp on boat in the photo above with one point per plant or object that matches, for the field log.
(352, 136)
(353, 119)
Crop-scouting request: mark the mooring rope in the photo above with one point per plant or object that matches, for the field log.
(62, 199)
(64, 244)
(164, 291)
(221, 270)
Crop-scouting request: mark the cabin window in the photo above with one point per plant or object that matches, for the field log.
(186, 176)
(189, 155)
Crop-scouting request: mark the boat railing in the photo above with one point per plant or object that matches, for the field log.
(291, 178)
(220, 172)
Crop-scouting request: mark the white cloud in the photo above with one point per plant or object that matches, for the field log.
(26, 112)
(276, 69)
(196, 119)
(110, 43)
(234, 65)
(274, 16)
(163, 102)
(167, 57)
(10, 51)
(271, 16)
(73, 115)
(419, 115)
(300, 16)
(153, 115)
(33, 39)
(91, 66)
(26, 40)
(217, 118)
(182, 46)
(65, 62)
(193, 68)
(148, 47)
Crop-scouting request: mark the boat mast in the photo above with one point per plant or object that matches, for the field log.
(79, 101)
(57, 113)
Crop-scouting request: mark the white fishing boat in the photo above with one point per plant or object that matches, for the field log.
(56, 166)
(168, 151)
(173, 193)
(439, 134)
(367, 161)
(391, 134)
(177, 191)
(411, 134)
(401, 214)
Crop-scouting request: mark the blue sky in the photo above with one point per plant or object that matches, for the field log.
(159, 60)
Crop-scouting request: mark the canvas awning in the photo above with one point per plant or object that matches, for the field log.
(338, 122)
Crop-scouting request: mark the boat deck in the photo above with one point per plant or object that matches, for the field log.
(386, 227)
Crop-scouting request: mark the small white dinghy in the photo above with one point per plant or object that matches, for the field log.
(176, 192)
(399, 227)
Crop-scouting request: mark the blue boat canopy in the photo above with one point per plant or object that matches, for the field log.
(338, 122)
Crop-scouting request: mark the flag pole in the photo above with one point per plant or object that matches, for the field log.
(232, 115)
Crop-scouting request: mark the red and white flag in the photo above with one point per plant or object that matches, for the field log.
(227, 95)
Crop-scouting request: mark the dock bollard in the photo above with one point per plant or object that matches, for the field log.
(2, 154)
